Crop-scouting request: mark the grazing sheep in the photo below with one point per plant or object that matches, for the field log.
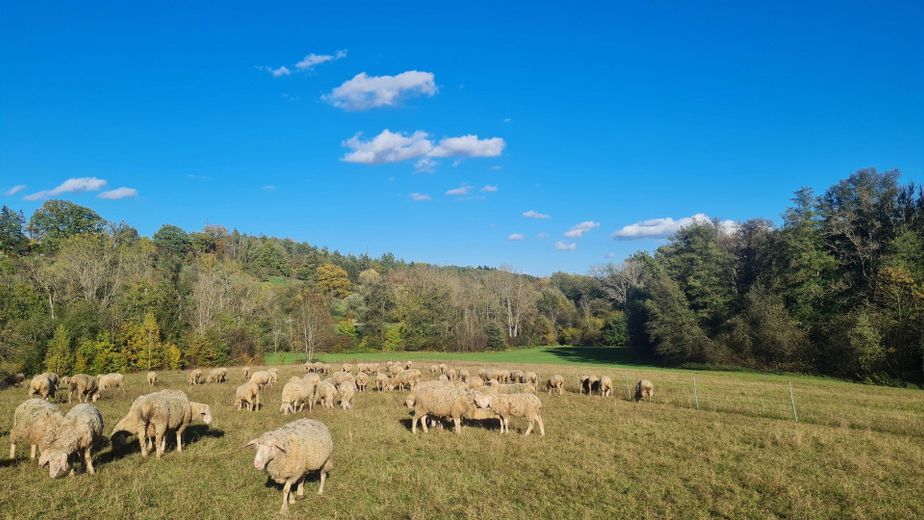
(484, 375)
(312, 378)
(513, 405)
(309, 366)
(195, 377)
(434, 369)
(245, 373)
(290, 452)
(296, 394)
(408, 365)
(325, 393)
(84, 387)
(606, 386)
(31, 421)
(382, 382)
(407, 378)
(43, 386)
(440, 401)
(247, 395)
(395, 369)
(217, 375)
(274, 376)
(13, 380)
(323, 368)
(80, 430)
(443, 368)
(512, 388)
(531, 378)
(113, 380)
(644, 389)
(556, 382)
(584, 385)
(502, 376)
(153, 415)
(346, 367)
(347, 390)
(343, 377)
(475, 382)
(362, 381)
(517, 376)
(463, 375)
(452, 374)
(594, 384)
(261, 378)
(152, 378)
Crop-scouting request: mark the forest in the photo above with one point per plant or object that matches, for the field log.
(836, 288)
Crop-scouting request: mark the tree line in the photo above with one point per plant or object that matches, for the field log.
(837, 288)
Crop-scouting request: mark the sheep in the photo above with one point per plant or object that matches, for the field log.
(606, 386)
(484, 375)
(152, 378)
(517, 376)
(408, 378)
(312, 378)
(463, 375)
(439, 401)
(475, 382)
(261, 378)
(644, 389)
(434, 369)
(274, 376)
(362, 381)
(452, 374)
(325, 393)
(295, 395)
(395, 369)
(512, 388)
(13, 380)
(513, 405)
(113, 380)
(245, 373)
(80, 430)
(443, 368)
(309, 366)
(195, 377)
(42, 386)
(408, 365)
(217, 375)
(346, 367)
(153, 415)
(593, 384)
(31, 421)
(84, 387)
(343, 377)
(556, 382)
(584, 385)
(502, 376)
(288, 453)
(323, 368)
(531, 378)
(247, 395)
(382, 382)
(347, 390)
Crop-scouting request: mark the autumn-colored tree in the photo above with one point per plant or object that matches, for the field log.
(60, 355)
(143, 349)
(333, 280)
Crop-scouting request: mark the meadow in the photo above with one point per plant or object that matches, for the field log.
(730, 449)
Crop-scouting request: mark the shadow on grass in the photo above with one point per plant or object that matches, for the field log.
(605, 355)
(446, 424)
(129, 444)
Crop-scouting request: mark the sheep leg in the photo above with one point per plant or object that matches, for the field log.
(529, 428)
(301, 487)
(285, 496)
(143, 441)
(323, 478)
(457, 425)
(541, 425)
(179, 440)
(414, 423)
(88, 460)
(12, 450)
(423, 423)
(32, 453)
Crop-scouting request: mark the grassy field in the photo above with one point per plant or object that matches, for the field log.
(857, 452)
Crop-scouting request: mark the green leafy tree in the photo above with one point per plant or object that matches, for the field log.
(13, 238)
(59, 219)
(59, 358)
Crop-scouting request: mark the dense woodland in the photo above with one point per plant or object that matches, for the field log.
(837, 289)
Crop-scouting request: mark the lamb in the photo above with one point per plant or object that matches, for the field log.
(84, 387)
(113, 380)
(440, 401)
(513, 405)
(408, 378)
(80, 430)
(296, 394)
(217, 375)
(362, 381)
(247, 395)
(261, 378)
(606, 386)
(325, 393)
(644, 389)
(556, 382)
(382, 383)
(31, 421)
(245, 373)
(152, 378)
(43, 386)
(531, 378)
(195, 377)
(288, 453)
(347, 390)
(153, 415)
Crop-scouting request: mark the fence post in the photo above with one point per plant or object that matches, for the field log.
(628, 394)
(695, 395)
(792, 399)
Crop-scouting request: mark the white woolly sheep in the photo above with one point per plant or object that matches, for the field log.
(217, 375)
(362, 381)
(245, 373)
(407, 378)
(110, 381)
(76, 435)
(195, 377)
(382, 382)
(346, 367)
(312, 378)
(452, 374)
(325, 393)
(556, 382)
(439, 401)
(152, 378)
(261, 378)
(155, 414)
(644, 389)
(606, 386)
(273, 376)
(343, 377)
(346, 390)
(463, 375)
(434, 369)
(484, 375)
(247, 396)
(287, 454)
(513, 405)
(443, 368)
(43, 386)
(395, 369)
(512, 388)
(296, 394)
(32, 420)
(517, 376)
(85, 388)
(531, 378)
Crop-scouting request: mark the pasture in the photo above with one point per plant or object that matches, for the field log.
(857, 451)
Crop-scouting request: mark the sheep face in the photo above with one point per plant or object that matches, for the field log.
(56, 461)
(205, 415)
(410, 401)
(483, 400)
(266, 452)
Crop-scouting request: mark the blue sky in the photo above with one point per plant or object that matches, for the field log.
(606, 114)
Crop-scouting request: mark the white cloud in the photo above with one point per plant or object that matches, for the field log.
(119, 193)
(14, 190)
(364, 92)
(71, 185)
(516, 236)
(565, 246)
(309, 61)
(665, 227)
(579, 229)
(420, 197)
(535, 214)
(277, 72)
(489, 188)
(391, 146)
(268, 187)
(461, 190)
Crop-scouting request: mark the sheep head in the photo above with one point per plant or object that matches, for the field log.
(410, 401)
(267, 450)
(203, 412)
(56, 460)
(483, 400)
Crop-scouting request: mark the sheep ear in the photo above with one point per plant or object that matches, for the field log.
(43, 459)
(280, 447)
(250, 444)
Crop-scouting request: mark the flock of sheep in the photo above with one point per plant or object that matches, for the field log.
(287, 454)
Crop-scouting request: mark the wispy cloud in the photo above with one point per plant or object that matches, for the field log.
(276, 72)
(70, 185)
(578, 230)
(516, 236)
(388, 147)
(119, 193)
(363, 92)
(420, 197)
(461, 190)
(312, 60)
(268, 187)
(14, 190)
(666, 226)
(565, 246)
(489, 188)
(535, 214)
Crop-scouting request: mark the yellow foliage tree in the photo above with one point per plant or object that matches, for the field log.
(333, 280)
